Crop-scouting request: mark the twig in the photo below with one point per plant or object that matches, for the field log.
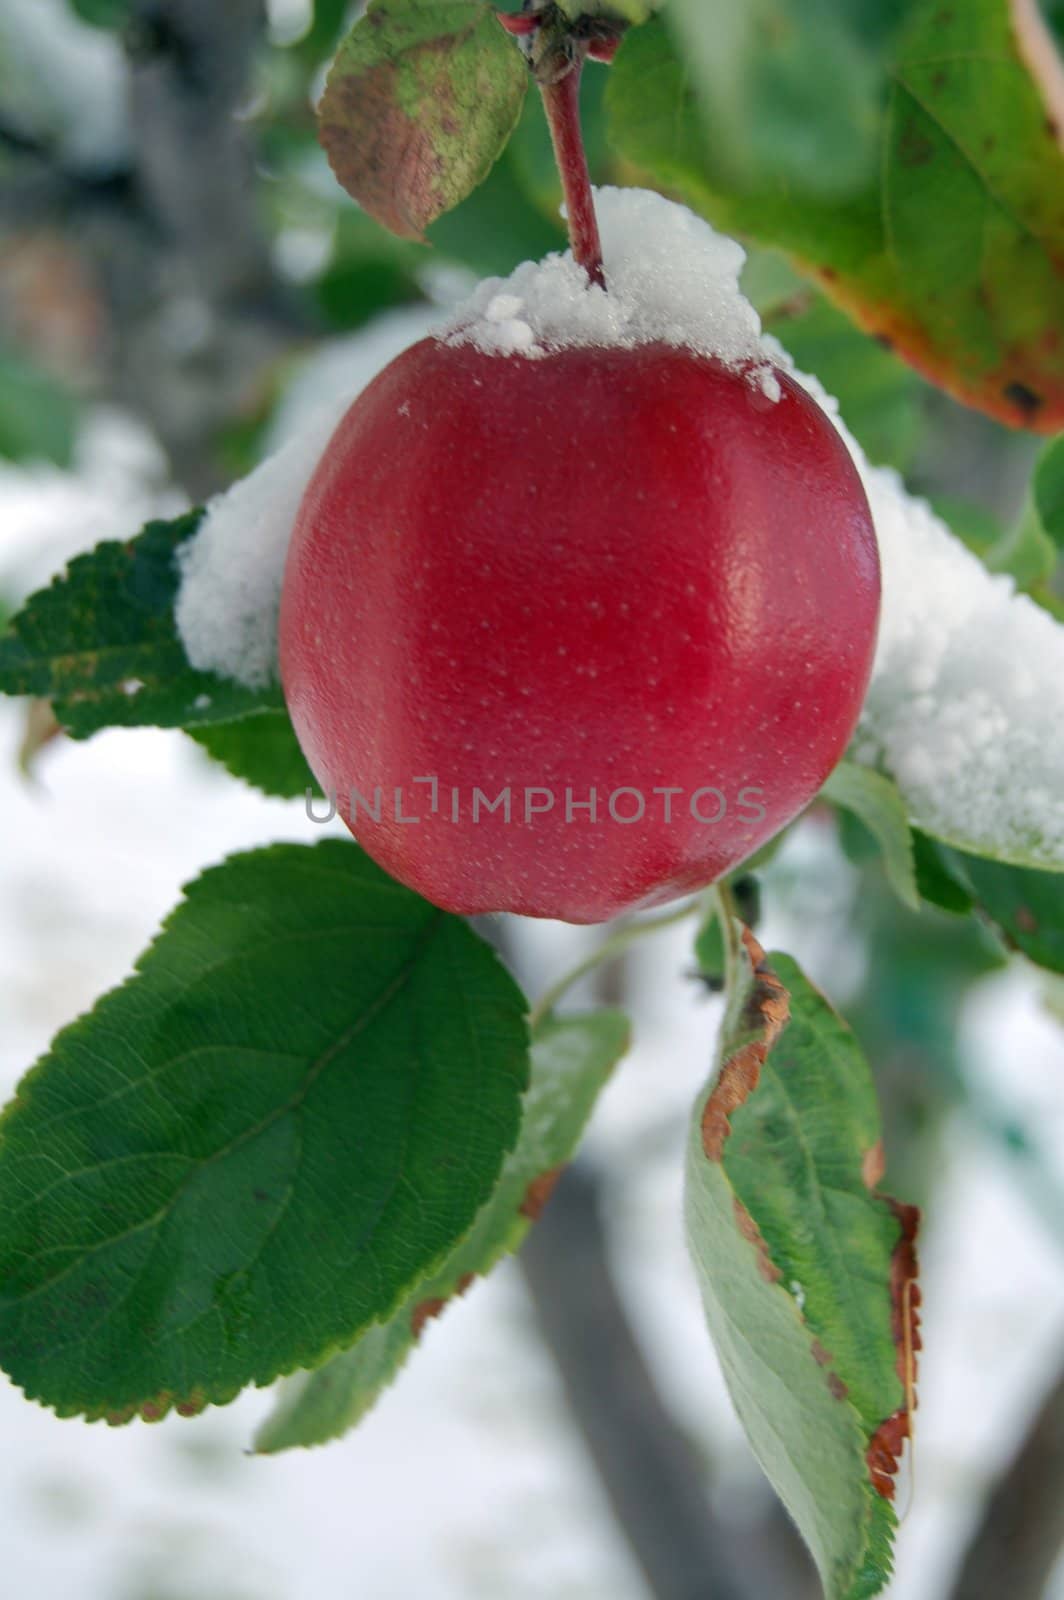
(561, 101)
(628, 934)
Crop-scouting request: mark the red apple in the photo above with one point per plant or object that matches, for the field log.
(624, 573)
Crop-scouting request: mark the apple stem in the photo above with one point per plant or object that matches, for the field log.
(561, 102)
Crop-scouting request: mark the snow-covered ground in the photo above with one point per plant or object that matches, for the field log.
(466, 1481)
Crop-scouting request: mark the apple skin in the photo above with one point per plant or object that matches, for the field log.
(602, 568)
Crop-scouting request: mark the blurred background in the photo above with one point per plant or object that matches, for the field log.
(180, 279)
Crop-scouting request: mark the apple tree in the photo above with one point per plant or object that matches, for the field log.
(651, 551)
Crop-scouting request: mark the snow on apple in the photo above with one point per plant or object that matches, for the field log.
(967, 693)
(231, 571)
(671, 280)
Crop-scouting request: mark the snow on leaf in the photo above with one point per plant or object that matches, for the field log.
(101, 642)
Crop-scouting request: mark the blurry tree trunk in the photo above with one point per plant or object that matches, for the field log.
(1016, 1545)
(198, 313)
(653, 1478)
(192, 315)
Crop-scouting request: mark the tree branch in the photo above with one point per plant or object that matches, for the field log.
(191, 73)
(1016, 1545)
(653, 1479)
(202, 317)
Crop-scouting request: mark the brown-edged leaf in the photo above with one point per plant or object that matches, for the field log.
(419, 104)
(808, 1272)
(952, 251)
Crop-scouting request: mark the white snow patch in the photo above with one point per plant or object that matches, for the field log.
(232, 567)
(671, 279)
(966, 704)
(967, 696)
(967, 701)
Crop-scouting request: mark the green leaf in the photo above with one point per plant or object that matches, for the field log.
(788, 91)
(369, 270)
(632, 11)
(38, 417)
(949, 251)
(876, 801)
(805, 1269)
(263, 750)
(937, 880)
(497, 225)
(572, 1057)
(1024, 551)
(1048, 491)
(419, 104)
(101, 643)
(103, 13)
(710, 954)
(253, 1150)
(352, 293)
(1025, 906)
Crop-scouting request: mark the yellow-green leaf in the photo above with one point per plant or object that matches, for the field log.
(951, 251)
(419, 104)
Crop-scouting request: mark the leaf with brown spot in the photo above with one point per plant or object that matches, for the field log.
(538, 1193)
(953, 248)
(887, 1442)
(807, 1272)
(419, 104)
(1024, 906)
(427, 1310)
(572, 1057)
(765, 1013)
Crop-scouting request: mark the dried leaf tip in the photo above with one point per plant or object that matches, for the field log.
(765, 1014)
